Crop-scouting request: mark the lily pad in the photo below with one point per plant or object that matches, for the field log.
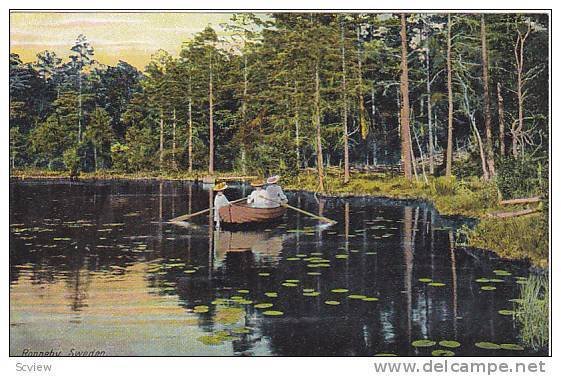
(332, 302)
(200, 309)
(308, 290)
(487, 345)
(288, 284)
(370, 299)
(292, 280)
(273, 313)
(437, 284)
(385, 354)
(242, 330)
(313, 293)
(293, 259)
(339, 290)
(506, 312)
(511, 346)
(243, 291)
(425, 280)
(211, 340)
(488, 288)
(342, 256)
(496, 280)
(440, 352)
(264, 274)
(423, 343)
(502, 272)
(450, 344)
(271, 294)
(313, 273)
(355, 296)
(482, 280)
(263, 305)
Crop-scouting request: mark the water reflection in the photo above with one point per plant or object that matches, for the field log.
(95, 265)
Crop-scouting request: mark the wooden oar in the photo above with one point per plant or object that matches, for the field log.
(331, 221)
(185, 217)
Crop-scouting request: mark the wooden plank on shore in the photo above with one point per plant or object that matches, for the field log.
(517, 201)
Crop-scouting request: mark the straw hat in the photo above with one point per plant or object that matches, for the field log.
(257, 183)
(219, 187)
(273, 179)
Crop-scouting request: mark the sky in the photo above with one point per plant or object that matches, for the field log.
(132, 37)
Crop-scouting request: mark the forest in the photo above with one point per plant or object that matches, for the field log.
(444, 101)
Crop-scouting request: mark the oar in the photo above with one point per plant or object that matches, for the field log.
(185, 217)
(331, 221)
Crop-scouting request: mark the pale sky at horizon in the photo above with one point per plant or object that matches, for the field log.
(132, 37)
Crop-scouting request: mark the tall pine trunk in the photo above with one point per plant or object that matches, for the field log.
(210, 122)
(429, 113)
(244, 110)
(501, 120)
(449, 144)
(404, 86)
(161, 138)
(346, 176)
(173, 147)
(190, 137)
(519, 55)
(317, 116)
(487, 103)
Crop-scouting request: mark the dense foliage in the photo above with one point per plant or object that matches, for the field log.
(266, 85)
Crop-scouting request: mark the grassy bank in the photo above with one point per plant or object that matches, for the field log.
(516, 238)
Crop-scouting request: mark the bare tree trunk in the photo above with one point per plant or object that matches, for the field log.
(190, 142)
(404, 86)
(487, 103)
(449, 144)
(161, 138)
(210, 122)
(244, 110)
(173, 147)
(346, 176)
(319, 151)
(519, 56)
(429, 114)
(362, 121)
(501, 120)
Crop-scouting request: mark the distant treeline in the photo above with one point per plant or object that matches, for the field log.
(275, 90)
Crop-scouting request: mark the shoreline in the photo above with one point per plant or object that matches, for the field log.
(512, 238)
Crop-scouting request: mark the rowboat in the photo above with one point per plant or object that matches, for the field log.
(241, 213)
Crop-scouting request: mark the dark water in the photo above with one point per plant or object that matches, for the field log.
(93, 266)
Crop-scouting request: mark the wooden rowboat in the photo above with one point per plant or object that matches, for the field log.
(241, 213)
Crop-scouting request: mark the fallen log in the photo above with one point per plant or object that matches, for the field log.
(513, 214)
(516, 201)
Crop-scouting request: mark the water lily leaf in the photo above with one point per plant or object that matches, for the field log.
(506, 312)
(316, 254)
(437, 284)
(190, 271)
(385, 354)
(502, 272)
(425, 280)
(341, 256)
(355, 296)
(237, 297)
(370, 299)
(308, 290)
(293, 259)
(487, 345)
(211, 340)
(264, 274)
(271, 294)
(332, 302)
(423, 343)
(442, 353)
(371, 254)
(243, 291)
(288, 284)
(313, 273)
(488, 288)
(496, 280)
(450, 344)
(339, 290)
(273, 313)
(482, 280)
(263, 305)
(242, 330)
(511, 346)
(301, 255)
(313, 293)
(244, 302)
(200, 309)
(292, 280)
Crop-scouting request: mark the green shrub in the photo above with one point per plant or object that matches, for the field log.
(521, 177)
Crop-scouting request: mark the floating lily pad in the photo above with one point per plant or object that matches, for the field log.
(293, 259)
(482, 280)
(450, 344)
(496, 280)
(241, 330)
(385, 354)
(342, 256)
(316, 254)
(313, 293)
(423, 343)
(511, 346)
(506, 312)
(313, 273)
(437, 284)
(200, 309)
(440, 352)
(339, 291)
(308, 290)
(425, 280)
(487, 345)
(288, 284)
(501, 272)
(292, 280)
(190, 271)
(243, 291)
(263, 305)
(271, 294)
(371, 254)
(332, 302)
(488, 288)
(264, 274)
(273, 313)
(355, 296)
(211, 340)
(370, 299)
(237, 297)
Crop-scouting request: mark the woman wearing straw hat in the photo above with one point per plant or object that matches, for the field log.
(274, 194)
(256, 199)
(220, 200)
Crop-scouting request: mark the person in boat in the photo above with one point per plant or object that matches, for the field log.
(257, 198)
(220, 200)
(274, 194)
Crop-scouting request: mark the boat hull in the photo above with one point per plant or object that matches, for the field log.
(238, 214)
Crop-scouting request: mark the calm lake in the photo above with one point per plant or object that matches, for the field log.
(94, 266)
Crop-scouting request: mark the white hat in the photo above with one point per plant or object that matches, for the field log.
(273, 179)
